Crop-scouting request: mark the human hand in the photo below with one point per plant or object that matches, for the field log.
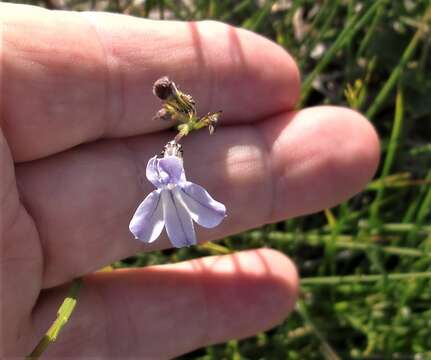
(77, 133)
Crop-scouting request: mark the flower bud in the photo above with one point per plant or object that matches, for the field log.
(162, 114)
(164, 88)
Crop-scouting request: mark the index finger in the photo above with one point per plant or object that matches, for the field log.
(71, 78)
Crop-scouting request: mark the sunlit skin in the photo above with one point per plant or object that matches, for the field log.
(76, 117)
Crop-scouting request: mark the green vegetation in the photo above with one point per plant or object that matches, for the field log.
(366, 264)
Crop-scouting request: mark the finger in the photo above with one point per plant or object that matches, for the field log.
(163, 311)
(89, 76)
(20, 259)
(289, 165)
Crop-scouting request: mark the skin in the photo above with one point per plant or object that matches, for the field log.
(76, 134)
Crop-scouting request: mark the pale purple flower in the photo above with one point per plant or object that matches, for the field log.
(174, 204)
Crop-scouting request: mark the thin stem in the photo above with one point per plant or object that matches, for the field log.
(414, 205)
(236, 9)
(390, 155)
(340, 280)
(311, 42)
(348, 32)
(63, 315)
(340, 242)
(400, 228)
(370, 32)
(393, 78)
(424, 209)
(327, 350)
(178, 137)
(215, 248)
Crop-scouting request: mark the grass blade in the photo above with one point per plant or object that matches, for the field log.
(350, 30)
(390, 155)
(393, 78)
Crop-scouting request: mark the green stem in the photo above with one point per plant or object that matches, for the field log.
(344, 242)
(401, 228)
(63, 315)
(423, 212)
(340, 280)
(390, 155)
(311, 42)
(236, 9)
(425, 208)
(348, 32)
(414, 205)
(393, 78)
(254, 22)
(327, 350)
(370, 32)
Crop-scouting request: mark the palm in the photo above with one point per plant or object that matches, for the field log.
(77, 135)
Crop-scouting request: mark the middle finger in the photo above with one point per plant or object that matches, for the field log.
(294, 163)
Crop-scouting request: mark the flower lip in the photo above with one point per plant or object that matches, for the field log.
(164, 171)
(170, 170)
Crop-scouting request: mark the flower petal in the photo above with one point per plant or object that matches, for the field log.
(179, 224)
(147, 222)
(171, 170)
(153, 172)
(202, 207)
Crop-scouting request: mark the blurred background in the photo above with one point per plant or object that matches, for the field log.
(366, 264)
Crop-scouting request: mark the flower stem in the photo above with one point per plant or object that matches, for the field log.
(178, 137)
(63, 315)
